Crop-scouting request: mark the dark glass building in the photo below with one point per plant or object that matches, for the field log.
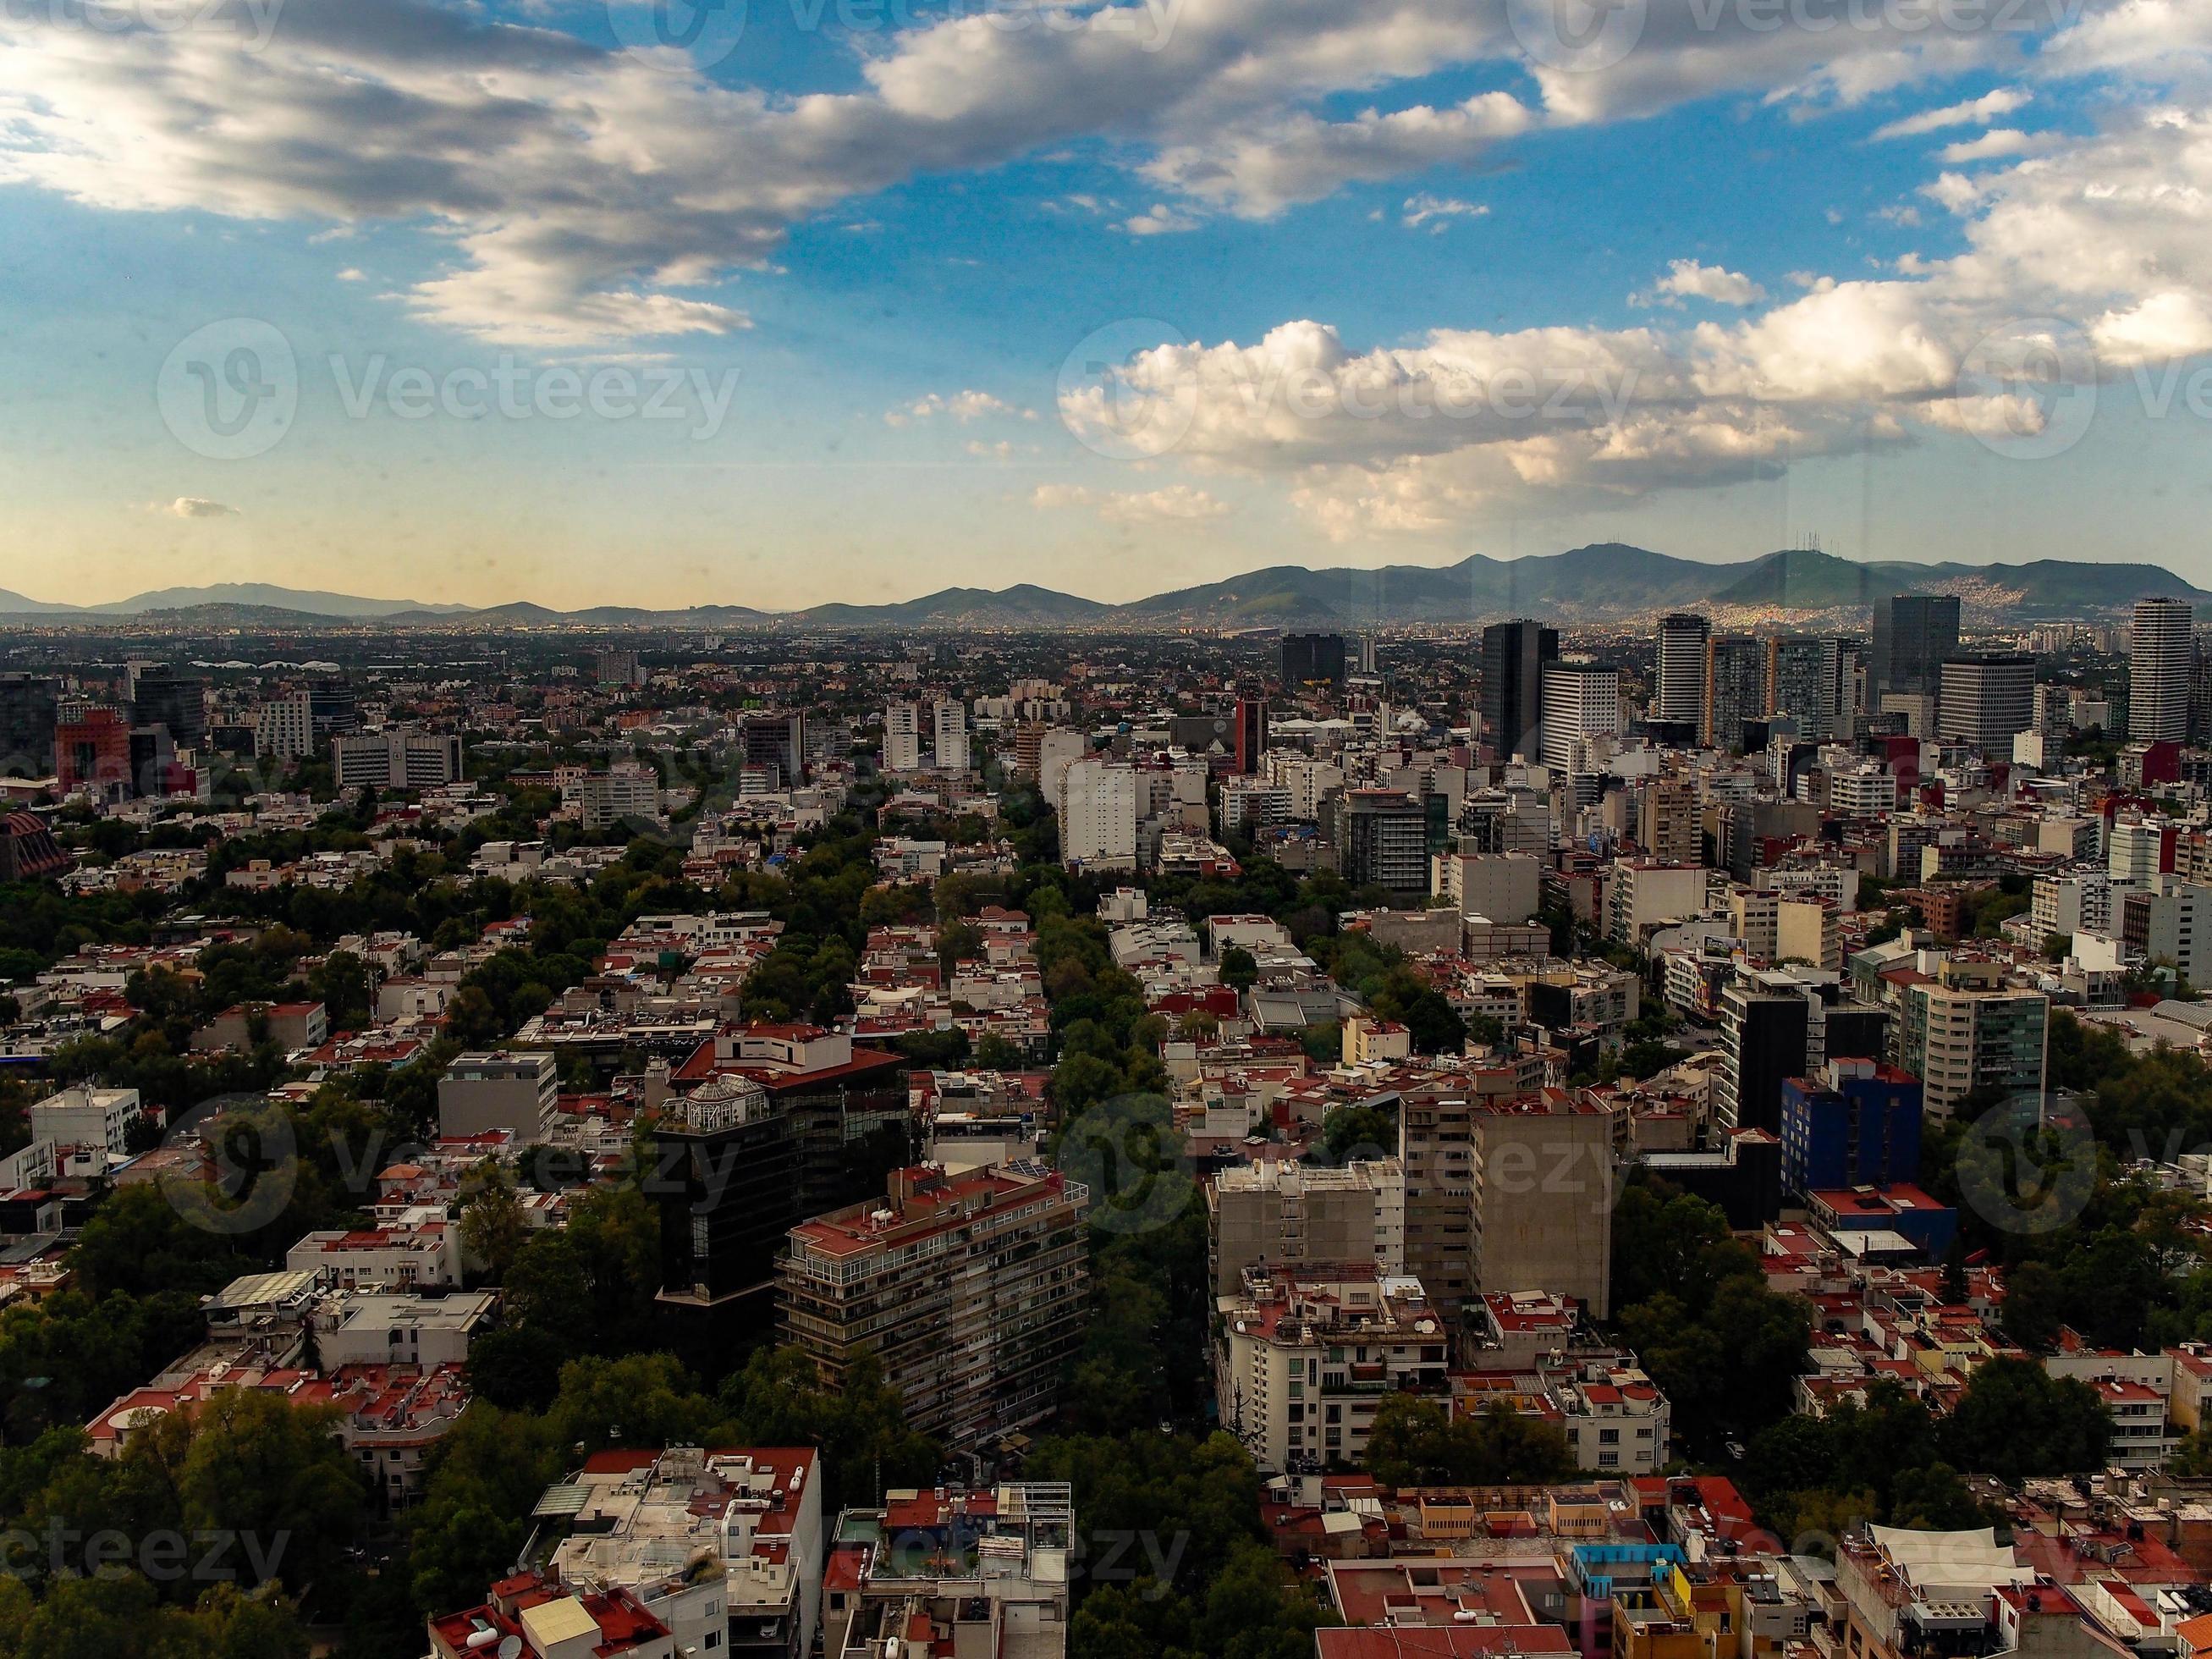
(1513, 657)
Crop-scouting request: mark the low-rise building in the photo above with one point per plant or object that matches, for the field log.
(952, 1572)
(517, 1091)
(723, 1547)
(1305, 1357)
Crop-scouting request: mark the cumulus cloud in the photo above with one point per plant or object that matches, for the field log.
(198, 507)
(2113, 232)
(584, 190)
(590, 195)
(961, 406)
(1177, 503)
(1258, 171)
(1685, 279)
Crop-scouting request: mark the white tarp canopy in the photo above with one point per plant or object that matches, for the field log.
(1951, 1565)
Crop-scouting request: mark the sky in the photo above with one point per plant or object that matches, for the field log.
(779, 301)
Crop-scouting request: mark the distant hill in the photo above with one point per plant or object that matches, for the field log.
(315, 604)
(1021, 606)
(1803, 579)
(1609, 580)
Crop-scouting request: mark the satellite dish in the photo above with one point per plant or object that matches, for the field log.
(511, 1648)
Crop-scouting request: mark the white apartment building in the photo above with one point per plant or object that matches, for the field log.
(397, 1327)
(2138, 849)
(1309, 780)
(1646, 894)
(1306, 1357)
(2073, 904)
(949, 727)
(1862, 792)
(86, 1117)
(284, 729)
(1250, 804)
(626, 790)
(1098, 814)
(902, 737)
(419, 1249)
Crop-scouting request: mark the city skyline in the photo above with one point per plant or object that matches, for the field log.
(858, 302)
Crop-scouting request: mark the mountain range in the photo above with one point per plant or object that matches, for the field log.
(1609, 581)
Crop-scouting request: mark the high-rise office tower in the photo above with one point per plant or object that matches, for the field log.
(777, 740)
(1763, 1028)
(1736, 690)
(1913, 633)
(332, 707)
(1513, 657)
(2162, 650)
(1311, 658)
(1251, 739)
(1987, 700)
(174, 698)
(30, 709)
(1581, 700)
(1680, 690)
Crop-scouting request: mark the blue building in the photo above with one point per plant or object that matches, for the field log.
(1858, 1126)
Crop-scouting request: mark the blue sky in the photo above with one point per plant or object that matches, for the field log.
(1426, 284)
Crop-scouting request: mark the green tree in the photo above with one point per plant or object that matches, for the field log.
(2014, 1419)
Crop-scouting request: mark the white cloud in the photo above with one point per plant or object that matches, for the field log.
(1159, 220)
(1998, 143)
(2113, 232)
(1177, 503)
(961, 406)
(590, 196)
(1439, 211)
(1685, 279)
(198, 507)
(1975, 112)
(1256, 171)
